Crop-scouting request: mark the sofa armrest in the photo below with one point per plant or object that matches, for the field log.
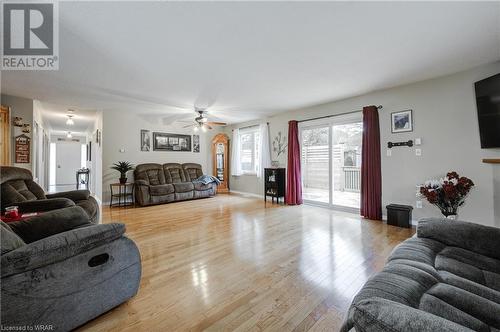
(141, 183)
(49, 223)
(74, 195)
(474, 237)
(378, 314)
(59, 247)
(42, 205)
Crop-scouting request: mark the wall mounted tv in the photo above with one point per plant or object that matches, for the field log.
(488, 111)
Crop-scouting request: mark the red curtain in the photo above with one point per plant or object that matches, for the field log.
(293, 194)
(371, 172)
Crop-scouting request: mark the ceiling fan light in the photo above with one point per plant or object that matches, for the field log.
(195, 128)
(69, 135)
(70, 121)
(204, 128)
(203, 120)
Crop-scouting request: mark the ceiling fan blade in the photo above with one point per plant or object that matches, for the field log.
(208, 126)
(191, 125)
(212, 123)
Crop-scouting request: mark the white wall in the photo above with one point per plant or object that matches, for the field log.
(121, 130)
(444, 113)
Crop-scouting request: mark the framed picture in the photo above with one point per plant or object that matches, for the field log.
(171, 142)
(402, 121)
(145, 140)
(196, 143)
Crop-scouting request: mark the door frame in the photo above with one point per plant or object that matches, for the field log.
(322, 123)
(6, 139)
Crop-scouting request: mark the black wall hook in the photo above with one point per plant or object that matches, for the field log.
(408, 144)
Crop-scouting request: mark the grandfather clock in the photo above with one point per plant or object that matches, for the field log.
(220, 149)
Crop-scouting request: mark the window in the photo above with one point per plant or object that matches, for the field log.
(249, 150)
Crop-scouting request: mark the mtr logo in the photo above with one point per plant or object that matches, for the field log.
(30, 36)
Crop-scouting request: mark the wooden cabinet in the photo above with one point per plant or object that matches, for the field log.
(274, 182)
(4, 136)
(220, 155)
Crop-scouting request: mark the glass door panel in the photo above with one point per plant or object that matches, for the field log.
(315, 158)
(346, 164)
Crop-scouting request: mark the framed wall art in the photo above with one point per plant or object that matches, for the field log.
(171, 142)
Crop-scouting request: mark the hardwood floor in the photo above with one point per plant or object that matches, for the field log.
(229, 263)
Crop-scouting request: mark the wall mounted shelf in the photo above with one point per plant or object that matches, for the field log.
(492, 161)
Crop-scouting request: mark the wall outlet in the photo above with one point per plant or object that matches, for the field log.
(418, 204)
(389, 152)
(418, 152)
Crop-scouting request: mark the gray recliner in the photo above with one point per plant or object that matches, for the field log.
(447, 278)
(68, 278)
(18, 188)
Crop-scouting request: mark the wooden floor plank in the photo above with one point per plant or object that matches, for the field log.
(230, 263)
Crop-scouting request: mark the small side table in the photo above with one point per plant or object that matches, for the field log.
(122, 192)
(85, 173)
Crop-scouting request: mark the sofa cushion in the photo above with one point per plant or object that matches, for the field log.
(150, 173)
(201, 186)
(192, 171)
(183, 187)
(9, 240)
(161, 189)
(50, 223)
(174, 173)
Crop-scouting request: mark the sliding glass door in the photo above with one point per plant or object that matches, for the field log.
(331, 161)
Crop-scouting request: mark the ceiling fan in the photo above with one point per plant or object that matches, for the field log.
(201, 121)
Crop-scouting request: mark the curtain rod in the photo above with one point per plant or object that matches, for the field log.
(246, 127)
(332, 115)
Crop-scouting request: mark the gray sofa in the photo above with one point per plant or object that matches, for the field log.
(67, 278)
(18, 188)
(446, 278)
(171, 182)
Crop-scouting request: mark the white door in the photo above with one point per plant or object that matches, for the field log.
(68, 161)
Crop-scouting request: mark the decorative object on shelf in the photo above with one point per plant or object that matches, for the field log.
(26, 128)
(402, 121)
(220, 148)
(279, 147)
(22, 149)
(196, 143)
(171, 142)
(145, 140)
(448, 193)
(409, 144)
(18, 121)
(274, 184)
(123, 167)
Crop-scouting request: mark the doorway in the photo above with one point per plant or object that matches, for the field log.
(66, 157)
(331, 161)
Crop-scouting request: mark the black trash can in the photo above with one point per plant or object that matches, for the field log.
(399, 215)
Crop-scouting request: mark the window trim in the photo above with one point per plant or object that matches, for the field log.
(254, 130)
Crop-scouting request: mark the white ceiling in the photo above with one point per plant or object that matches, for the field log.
(56, 116)
(250, 59)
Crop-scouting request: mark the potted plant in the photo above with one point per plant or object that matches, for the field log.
(123, 167)
(448, 193)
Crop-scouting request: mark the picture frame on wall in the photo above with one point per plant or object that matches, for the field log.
(402, 121)
(145, 140)
(171, 142)
(196, 143)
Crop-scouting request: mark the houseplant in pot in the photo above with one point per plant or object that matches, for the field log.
(448, 193)
(123, 167)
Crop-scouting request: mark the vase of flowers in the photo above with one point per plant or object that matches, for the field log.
(448, 193)
(123, 167)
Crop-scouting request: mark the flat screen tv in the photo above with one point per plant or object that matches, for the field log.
(488, 111)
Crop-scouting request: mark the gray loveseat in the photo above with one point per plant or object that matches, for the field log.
(447, 278)
(65, 279)
(171, 182)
